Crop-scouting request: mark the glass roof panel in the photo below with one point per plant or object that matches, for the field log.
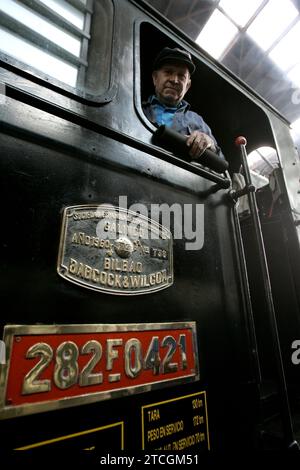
(286, 54)
(240, 11)
(215, 44)
(271, 22)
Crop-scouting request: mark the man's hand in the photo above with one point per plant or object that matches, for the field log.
(198, 143)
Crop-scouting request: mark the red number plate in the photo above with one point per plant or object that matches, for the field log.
(75, 364)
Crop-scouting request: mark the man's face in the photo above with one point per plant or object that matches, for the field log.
(171, 82)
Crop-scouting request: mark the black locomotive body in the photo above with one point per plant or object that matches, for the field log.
(126, 342)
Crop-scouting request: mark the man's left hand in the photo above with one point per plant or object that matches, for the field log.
(198, 143)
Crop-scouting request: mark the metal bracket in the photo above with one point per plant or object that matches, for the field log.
(235, 195)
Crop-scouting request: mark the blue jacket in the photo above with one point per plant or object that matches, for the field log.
(184, 121)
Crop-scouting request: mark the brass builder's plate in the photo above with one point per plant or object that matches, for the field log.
(114, 250)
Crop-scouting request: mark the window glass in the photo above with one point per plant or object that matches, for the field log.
(66, 10)
(36, 22)
(35, 57)
(263, 161)
(69, 42)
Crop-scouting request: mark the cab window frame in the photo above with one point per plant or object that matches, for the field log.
(14, 70)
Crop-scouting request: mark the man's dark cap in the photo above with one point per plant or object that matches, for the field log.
(177, 55)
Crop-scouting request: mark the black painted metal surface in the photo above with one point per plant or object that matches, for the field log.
(59, 151)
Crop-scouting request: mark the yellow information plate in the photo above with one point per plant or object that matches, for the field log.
(176, 424)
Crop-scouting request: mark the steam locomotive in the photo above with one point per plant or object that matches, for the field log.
(143, 312)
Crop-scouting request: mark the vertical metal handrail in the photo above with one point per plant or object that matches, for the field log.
(247, 297)
(285, 412)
